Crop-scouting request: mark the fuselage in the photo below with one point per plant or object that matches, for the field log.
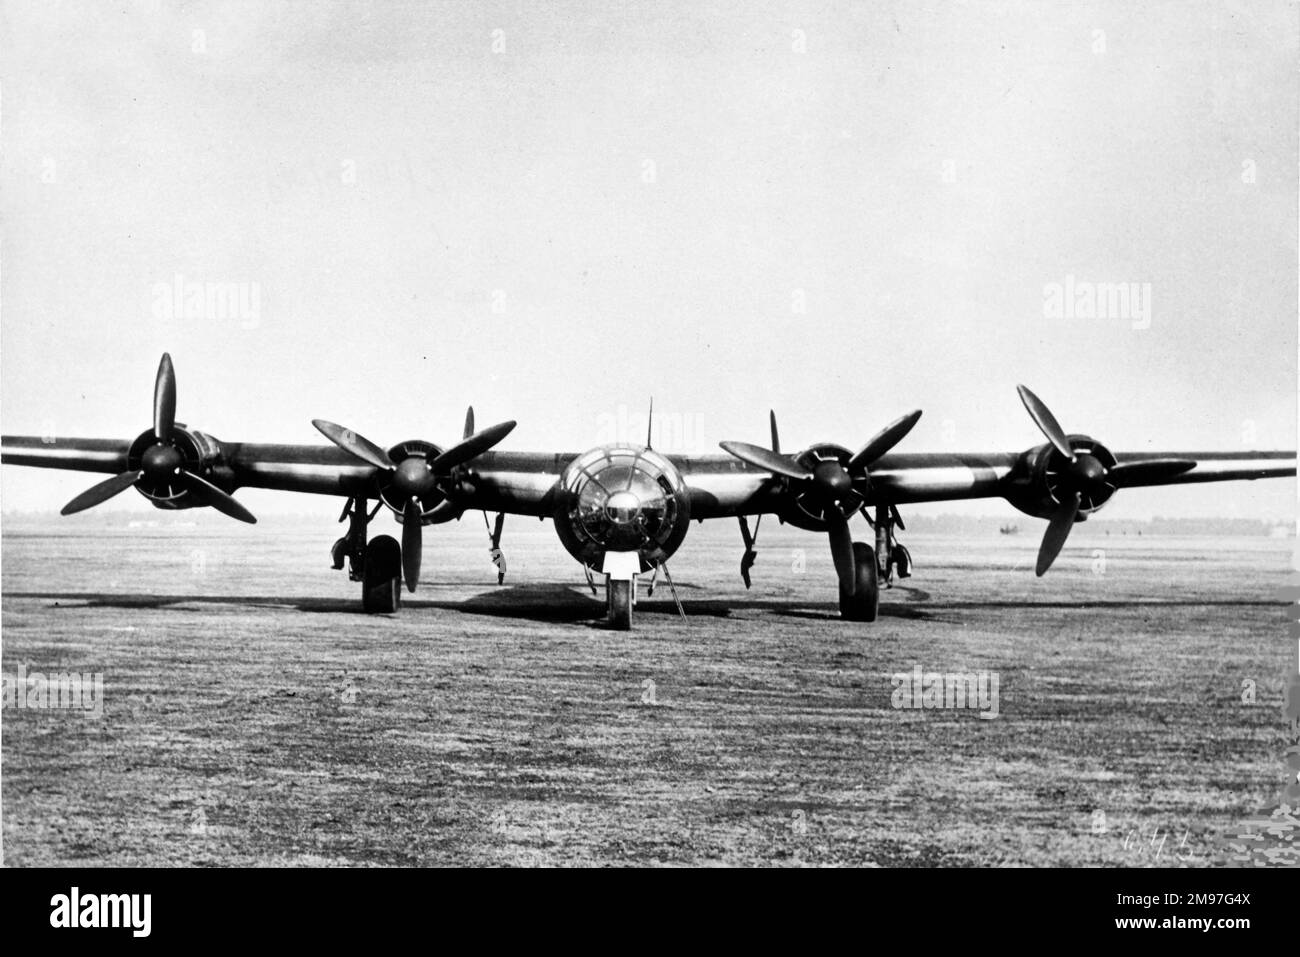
(621, 498)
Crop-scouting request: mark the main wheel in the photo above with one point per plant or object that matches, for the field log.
(381, 584)
(864, 603)
(619, 594)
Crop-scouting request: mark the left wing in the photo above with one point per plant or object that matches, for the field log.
(723, 486)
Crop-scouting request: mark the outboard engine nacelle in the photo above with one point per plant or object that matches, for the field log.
(1045, 478)
(199, 454)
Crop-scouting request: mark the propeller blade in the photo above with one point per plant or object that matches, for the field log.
(764, 459)
(842, 550)
(164, 400)
(355, 444)
(412, 544)
(471, 447)
(1147, 473)
(1058, 530)
(776, 439)
(1046, 422)
(469, 423)
(101, 492)
(211, 495)
(884, 440)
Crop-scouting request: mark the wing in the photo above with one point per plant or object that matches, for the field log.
(515, 482)
(723, 486)
(81, 455)
(525, 483)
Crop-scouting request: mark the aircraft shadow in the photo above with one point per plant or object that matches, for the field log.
(543, 602)
(563, 603)
(556, 603)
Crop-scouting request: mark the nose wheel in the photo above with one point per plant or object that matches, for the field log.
(619, 598)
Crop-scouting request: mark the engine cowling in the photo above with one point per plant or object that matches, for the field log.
(841, 490)
(412, 457)
(200, 454)
(622, 499)
(1039, 490)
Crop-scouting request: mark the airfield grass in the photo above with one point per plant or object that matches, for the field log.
(253, 715)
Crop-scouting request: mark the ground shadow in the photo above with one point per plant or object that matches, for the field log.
(562, 603)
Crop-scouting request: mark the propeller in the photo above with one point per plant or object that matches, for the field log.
(1084, 477)
(831, 483)
(162, 462)
(416, 477)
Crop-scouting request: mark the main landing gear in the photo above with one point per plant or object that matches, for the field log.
(875, 566)
(376, 564)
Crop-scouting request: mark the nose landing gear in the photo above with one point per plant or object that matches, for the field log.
(621, 569)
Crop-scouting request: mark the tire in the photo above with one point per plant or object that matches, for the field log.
(381, 583)
(619, 591)
(864, 603)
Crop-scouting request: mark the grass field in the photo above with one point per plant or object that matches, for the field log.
(253, 715)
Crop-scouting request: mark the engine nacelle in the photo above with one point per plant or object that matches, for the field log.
(202, 456)
(1036, 490)
(622, 499)
(412, 454)
(806, 508)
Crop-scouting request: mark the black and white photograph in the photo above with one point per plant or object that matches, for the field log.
(637, 435)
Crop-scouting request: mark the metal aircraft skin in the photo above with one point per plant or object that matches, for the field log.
(624, 510)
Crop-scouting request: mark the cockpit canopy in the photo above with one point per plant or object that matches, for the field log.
(622, 499)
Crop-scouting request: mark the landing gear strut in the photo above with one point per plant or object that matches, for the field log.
(890, 553)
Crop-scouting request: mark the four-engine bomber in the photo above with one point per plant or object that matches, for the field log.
(624, 510)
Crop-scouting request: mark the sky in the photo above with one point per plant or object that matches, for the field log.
(555, 212)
